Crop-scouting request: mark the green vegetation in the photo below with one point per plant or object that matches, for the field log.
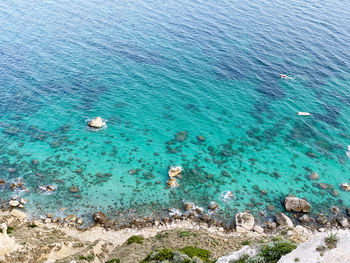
(162, 235)
(135, 239)
(168, 254)
(88, 258)
(33, 225)
(246, 243)
(332, 240)
(203, 254)
(270, 253)
(273, 253)
(9, 230)
(277, 239)
(160, 255)
(113, 260)
(184, 234)
(242, 259)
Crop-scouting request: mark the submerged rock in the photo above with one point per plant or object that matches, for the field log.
(244, 222)
(100, 217)
(2, 181)
(74, 189)
(201, 138)
(314, 176)
(96, 123)
(296, 204)
(181, 136)
(284, 220)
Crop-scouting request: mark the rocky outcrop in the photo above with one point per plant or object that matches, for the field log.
(96, 123)
(244, 222)
(284, 220)
(100, 217)
(296, 204)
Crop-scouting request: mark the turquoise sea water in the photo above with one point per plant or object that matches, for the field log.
(154, 68)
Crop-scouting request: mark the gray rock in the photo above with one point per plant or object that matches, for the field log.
(180, 257)
(335, 209)
(284, 220)
(14, 203)
(213, 205)
(196, 260)
(271, 225)
(343, 221)
(296, 204)
(322, 219)
(304, 219)
(244, 222)
(188, 206)
(258, 229)
(100, 217)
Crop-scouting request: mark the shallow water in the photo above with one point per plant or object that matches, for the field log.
(154, 68)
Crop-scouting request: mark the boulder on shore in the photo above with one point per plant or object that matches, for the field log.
(296, 204)
(96, 123)
(284, 220)
(244, 222)
(13, 203)
(188, 206)
(100, 217)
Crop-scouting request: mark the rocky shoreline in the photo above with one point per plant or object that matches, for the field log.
(299, 226)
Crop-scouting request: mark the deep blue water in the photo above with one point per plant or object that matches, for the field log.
(154, 68)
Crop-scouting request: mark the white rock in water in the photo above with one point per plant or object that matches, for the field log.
(96, 123)
(14, 203)
(345, 187)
